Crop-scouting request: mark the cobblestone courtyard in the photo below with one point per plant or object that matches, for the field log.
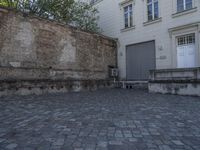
(106, 119)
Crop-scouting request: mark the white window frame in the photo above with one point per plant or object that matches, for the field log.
(130, 24)
(184, 5)
(186, 39)
(153, 8)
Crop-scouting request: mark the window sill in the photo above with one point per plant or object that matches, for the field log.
(152, 21)
(184, 12)
(128, 29)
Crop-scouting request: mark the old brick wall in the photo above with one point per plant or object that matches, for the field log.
(32, 48)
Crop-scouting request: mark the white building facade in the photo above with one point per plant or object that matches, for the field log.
(152, 34)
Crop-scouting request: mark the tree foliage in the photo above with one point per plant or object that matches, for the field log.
(79, 14)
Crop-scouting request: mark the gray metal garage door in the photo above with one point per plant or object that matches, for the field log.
(140, 58)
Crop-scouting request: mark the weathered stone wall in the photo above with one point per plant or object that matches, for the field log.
(175, 81)
(32, 48)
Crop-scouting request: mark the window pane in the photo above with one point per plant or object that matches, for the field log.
(130, 15)
(180, 5)
(131, 19)
(149, 1)
(130, 7)
(186, 39)
(188, 4)
(126, 9)
(182, 40)
(126, 16)
(149, 12)
(191, 39)
(150, 17)
(156, 11)
(126, 20)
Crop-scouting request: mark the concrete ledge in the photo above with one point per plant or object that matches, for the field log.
(185, 12)
(175, 81)
(38, 87)
(152, 21)
(189, 89)
(25, 73)
(127, 29)
(175, 74)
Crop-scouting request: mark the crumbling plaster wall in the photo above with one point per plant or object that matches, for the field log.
(34, 48)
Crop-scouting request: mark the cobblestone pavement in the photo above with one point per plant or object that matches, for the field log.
(113, 119)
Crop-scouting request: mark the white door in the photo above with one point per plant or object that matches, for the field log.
(186, 51)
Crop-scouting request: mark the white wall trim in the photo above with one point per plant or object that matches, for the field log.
(177, 28)
(183, 30)
(185, 12)
(152, 21)
(126, 2)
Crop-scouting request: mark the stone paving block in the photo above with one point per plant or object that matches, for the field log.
(114, 142)
(59, 142)
(118, 134)
(78, 148)
(90, 147)
(128, 132)
(1, 140)
(102, 144)
(77, 144)
(177, 142)
(164, 147)
(103, 120)
(11, 146)
(132, 139)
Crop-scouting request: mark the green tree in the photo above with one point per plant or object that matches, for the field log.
(9, 3)
(84, 16)
(79, 14)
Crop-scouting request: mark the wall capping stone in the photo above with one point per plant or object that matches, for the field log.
(3, 10)
(7, 9)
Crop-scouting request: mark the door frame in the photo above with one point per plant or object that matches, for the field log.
(181, 31)
(139, 44)
(195, 61)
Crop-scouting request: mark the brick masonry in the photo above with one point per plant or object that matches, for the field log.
(38, 50)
